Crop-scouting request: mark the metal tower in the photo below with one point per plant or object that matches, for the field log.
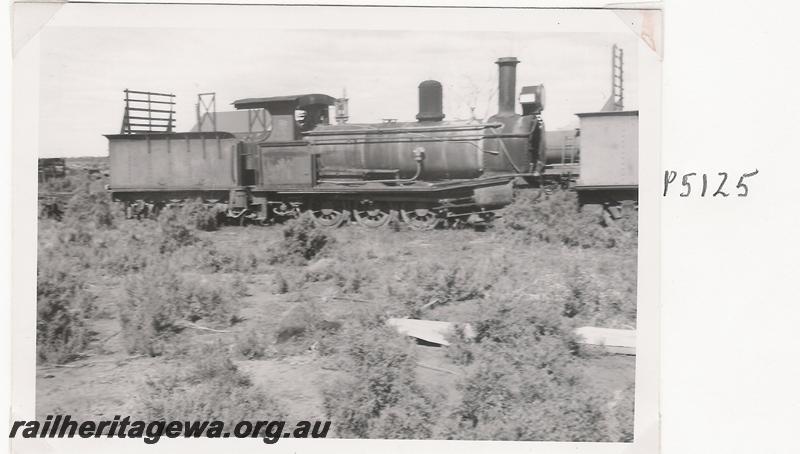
(206, 109)
(616, 100)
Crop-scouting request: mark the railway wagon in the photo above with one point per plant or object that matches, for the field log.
(609, 163)
(562, 157)
(50, 168)
(425, 172)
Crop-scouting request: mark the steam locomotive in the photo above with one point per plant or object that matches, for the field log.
(424, 173)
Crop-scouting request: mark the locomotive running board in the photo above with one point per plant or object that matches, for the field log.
(415, 187)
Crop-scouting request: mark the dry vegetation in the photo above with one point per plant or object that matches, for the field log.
(213, 303)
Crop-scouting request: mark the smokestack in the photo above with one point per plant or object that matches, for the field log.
(430, 101)
(507, 80)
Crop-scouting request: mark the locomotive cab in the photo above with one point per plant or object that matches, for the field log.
(291, 115)
(280, 158)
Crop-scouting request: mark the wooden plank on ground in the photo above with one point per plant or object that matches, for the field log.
(622, 341)
(619, 341)
(432, 331)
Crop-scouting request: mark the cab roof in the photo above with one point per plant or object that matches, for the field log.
(298, 101)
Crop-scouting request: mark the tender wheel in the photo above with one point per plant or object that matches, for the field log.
(329, 217)
(420, 218)
(373, 217)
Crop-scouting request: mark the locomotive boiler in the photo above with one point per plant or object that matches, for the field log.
(507, 143)
(425, 172)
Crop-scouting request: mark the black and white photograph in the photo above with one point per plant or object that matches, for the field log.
(339, 222)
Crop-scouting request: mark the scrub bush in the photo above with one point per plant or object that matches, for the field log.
(380, 397)
(503, 401)
(199, 215)
(555, 218)
(62, 305)
(523, 379)
(350, 269)
(176, 231)
(159, 301)
(623, 416)
(252, 344)
(207, 386)
(445, 279)
(93, 206)
(130, 248)
(302, 241)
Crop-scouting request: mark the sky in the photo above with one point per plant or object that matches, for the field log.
(83, 71)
